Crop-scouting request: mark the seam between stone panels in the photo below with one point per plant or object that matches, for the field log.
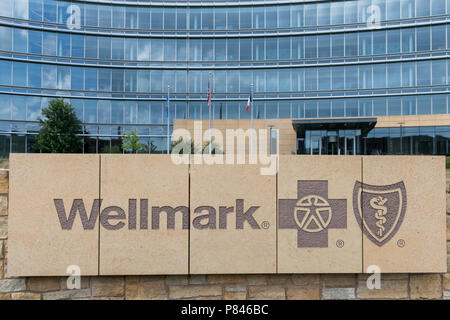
(100, 205)
(362, 221)
(276, 217)
(189, 215)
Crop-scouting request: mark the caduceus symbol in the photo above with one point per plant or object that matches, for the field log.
(378, 204)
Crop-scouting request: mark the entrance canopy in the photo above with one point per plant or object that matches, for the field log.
(363, 124)
(341, 136)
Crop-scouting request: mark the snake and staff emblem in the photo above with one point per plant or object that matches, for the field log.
(379, 210)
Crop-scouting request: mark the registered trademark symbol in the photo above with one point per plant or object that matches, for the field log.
(265, 224)
(340, 243)
(401, 243)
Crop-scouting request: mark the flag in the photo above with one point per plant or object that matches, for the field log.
(250, 100)
(208, 98)
(167, 105)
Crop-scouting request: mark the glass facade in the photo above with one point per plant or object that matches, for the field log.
(114, 61)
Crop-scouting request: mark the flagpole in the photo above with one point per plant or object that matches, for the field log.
(209, 107)
(168, 119)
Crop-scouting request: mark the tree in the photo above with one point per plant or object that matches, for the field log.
(215, 148)
(60, 129)
(181, 145)
(132, 142)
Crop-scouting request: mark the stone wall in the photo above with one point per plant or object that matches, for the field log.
(292, 287)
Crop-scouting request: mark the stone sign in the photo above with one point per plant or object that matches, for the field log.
(144, 215)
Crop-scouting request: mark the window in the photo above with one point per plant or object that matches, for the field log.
(20, 40)
(285, 80)
(351, 11)
(311, 79)
(5, 75)
(20, 74)
(258, 49)
(63, 77)
(438, 37)
(90, 79)
(169, 49)
(310, 14)
(169, 18)
(379, 76)
(233, 49)
(6, 37)
(423, 39)
(258, 18)
(311, 47)
(181, 50)
(323, 14)
(437, 7)
(156, 80)
(284, 48)
(221, 49)
(157, 18)
(130, 18)
(324, 78)
(271, 48)
(49, 11)
(77, 78)
(439, 72)
(118, 17)
(104, 79)
(284, 13)
(117, 80)
(104, 16)
(393, 9)
(5, 111)
(408, 40)
(131, 49)
(181, 19)
(34, 75)
(91, 15)
(351, 44)
(104, 46)
(423, 73)
(379, 42)
(297, 48)
(34, 41)
(233, 18)
(365, 43)
(245, 18)
(409, 74)
(338, 45)
(439, 104)
(394, 75)
(220, 18)
(34, 10)
(91, 47)
(365, 77)
(77, 46)
(207, 50)
(297, 15)
(207, 19)
(393, 41)
(143, 50)
(272, 17)
(351, 77)
(117, 46)
(338, 78)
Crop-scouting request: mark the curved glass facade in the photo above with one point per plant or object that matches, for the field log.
(114, 61)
